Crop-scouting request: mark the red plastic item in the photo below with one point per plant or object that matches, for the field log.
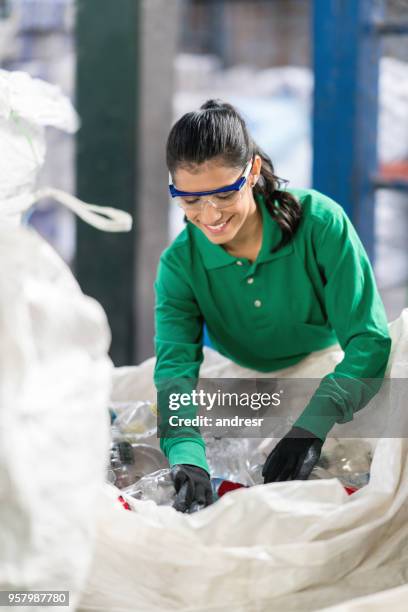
(124, 503)
(226, 486)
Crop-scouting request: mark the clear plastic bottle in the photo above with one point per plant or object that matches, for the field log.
(349, 460)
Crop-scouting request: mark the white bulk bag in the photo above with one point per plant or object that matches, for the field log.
(391, 599)
(55, 373)
(54, 432)
(284, 546)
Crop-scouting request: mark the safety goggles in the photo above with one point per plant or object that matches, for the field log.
(220, 198)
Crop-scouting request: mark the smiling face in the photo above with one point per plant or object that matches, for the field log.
(231, 223)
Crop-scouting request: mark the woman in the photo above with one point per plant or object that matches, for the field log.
(275, 275)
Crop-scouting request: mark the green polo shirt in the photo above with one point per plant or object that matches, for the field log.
(317, 290)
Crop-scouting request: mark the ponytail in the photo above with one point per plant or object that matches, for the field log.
(281, 205)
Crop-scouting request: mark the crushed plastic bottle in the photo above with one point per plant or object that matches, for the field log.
(347, 460)
(157, 487)
(130, 462)
(133, 421)
(228, 459)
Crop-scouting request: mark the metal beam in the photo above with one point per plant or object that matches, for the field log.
(346, 65)
(107, 82)
(159, 33)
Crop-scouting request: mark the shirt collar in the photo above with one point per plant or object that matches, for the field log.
(214, 256)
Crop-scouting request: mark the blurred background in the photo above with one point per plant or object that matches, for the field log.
(323, 85)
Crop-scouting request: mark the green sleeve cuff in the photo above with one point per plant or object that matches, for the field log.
(336, 400)
(190, 452)
(317, 425)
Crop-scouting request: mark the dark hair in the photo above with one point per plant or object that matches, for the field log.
(218, 130)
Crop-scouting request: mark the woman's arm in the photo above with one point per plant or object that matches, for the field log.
(356, 312)
(178, 347)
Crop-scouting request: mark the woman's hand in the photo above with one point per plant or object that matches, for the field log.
(193, 488)
(294, 457)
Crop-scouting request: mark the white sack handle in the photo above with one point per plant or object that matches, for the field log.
(102, 217)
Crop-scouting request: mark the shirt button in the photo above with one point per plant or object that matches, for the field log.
(250, 281)
(257, 303)
(239, 263)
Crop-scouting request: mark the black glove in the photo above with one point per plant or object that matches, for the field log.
(193, 488)
(294, 457)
